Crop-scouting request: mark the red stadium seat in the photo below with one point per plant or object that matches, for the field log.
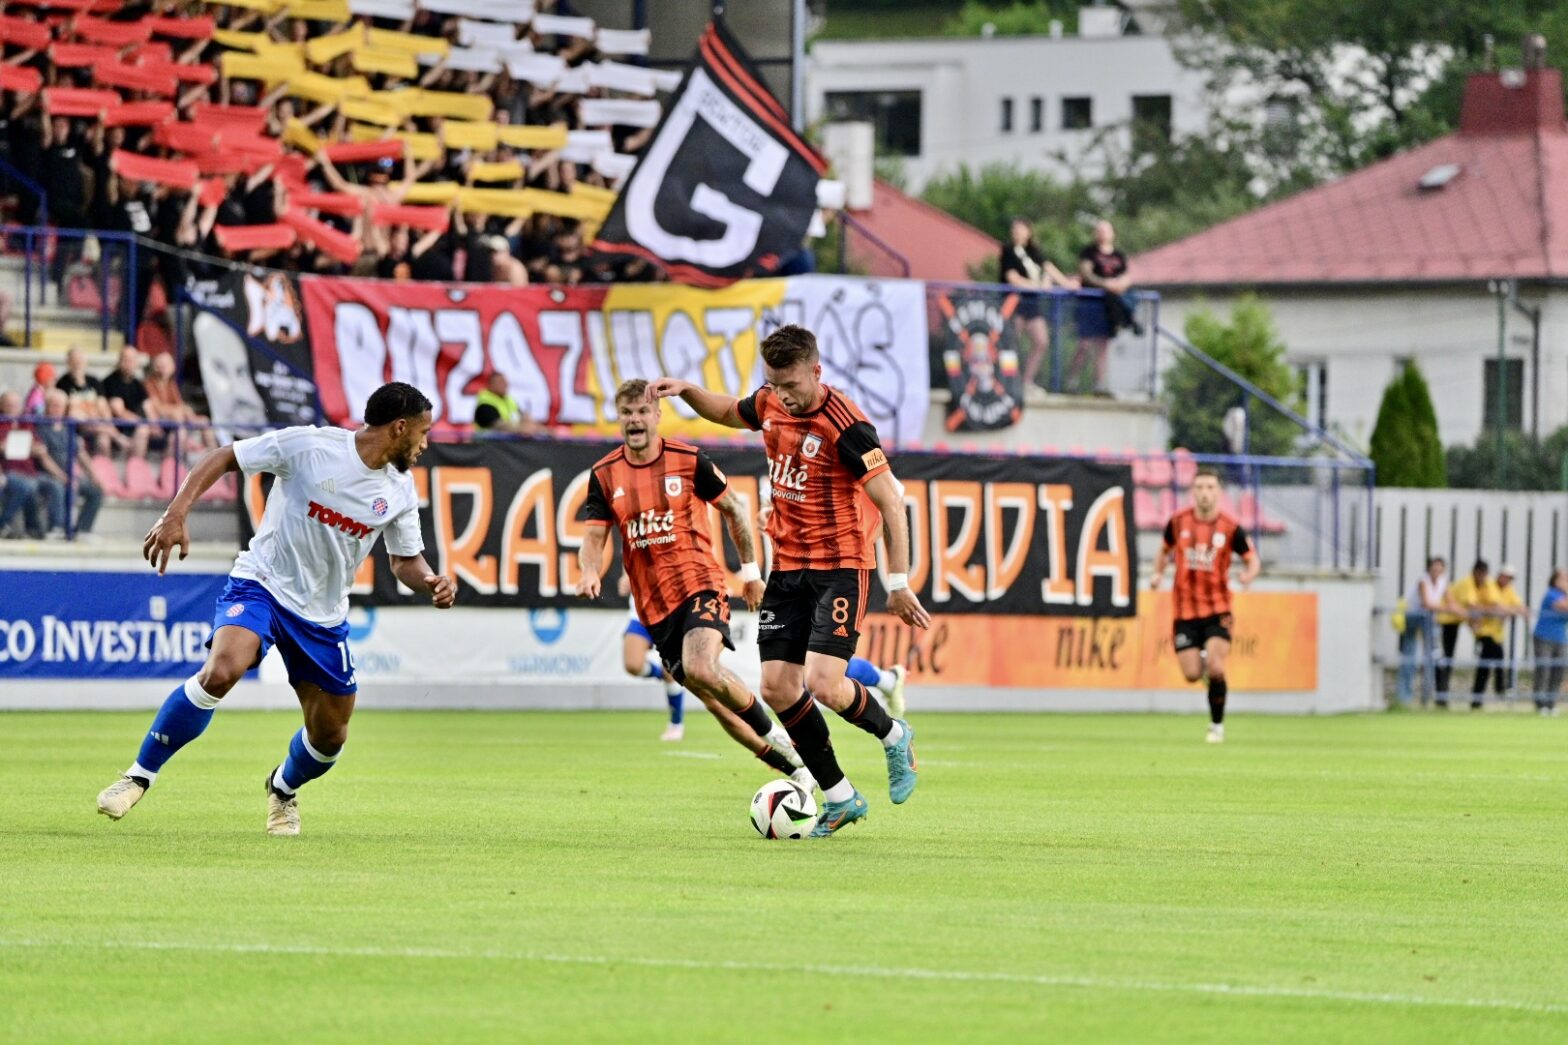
(1157, 470)
(140, 483)
(106, 475)
(1186, 467)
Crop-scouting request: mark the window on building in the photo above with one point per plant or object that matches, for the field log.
(894, 114)
(1036, 115)
(1151, 120)
(1512, 380)
(1077, 113)
(1007, 115)
(1313, 378)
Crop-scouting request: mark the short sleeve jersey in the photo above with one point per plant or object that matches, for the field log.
(1203, 551)
(661, 511)
(323, 516)
(817, 465)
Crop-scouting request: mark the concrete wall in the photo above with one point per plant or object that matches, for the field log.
(963, 81)
(1451, 331)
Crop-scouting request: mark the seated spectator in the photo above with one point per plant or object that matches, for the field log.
(43, 381)
(127, 397)
(509, 414)
(486, 420)
(19, 465)
(1102, 264)
(56, 437)
(88, 403)
(166, 403)
(1025, 266)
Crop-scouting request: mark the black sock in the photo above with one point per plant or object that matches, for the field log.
(1217, 691)
(756, 716)
(809, 730)
(866, 712)
(773, 760)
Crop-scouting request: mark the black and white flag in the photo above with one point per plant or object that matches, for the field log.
(726, 189)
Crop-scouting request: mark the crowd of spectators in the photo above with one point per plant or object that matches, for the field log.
(264, 137)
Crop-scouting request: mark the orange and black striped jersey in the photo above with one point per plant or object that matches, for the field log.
(1203, 550)
(661, 509)
(817, 463)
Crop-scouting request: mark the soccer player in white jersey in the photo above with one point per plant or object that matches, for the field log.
(336, 492)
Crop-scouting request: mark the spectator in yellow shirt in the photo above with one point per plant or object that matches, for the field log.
(1449, 618)
(1487, 604)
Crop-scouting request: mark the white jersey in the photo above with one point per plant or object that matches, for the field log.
(323, 516)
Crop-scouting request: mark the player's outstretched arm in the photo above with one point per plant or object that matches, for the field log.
(717, 407)
(885, 493)
(740, 533)
(170, 530)
(591, 559)
(415, 572)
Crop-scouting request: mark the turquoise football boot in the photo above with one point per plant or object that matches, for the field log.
(902, 770)
(839, 814)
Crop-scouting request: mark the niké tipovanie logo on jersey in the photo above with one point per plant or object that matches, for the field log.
(788, 477)
(650, 528)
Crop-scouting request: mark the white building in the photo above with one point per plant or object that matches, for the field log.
(1037, 101)
(1406, 259)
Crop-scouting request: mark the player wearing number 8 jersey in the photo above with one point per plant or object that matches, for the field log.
(1203, 540)
(822, 454)
(336, 493)
(656, 493)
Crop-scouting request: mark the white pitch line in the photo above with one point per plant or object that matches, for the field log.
(1234, 990)
(692, 754)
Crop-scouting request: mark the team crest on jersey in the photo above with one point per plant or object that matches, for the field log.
(672, 485)
(810, 445)
(235, 610)
(379, 506)
(1219, 540)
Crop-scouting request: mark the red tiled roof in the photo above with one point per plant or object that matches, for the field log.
(936, 244)
(1505, 214)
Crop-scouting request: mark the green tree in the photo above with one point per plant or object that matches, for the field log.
(1197, 398)
(1405, 443)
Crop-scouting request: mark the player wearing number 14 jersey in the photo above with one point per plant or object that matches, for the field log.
(1202, 539)
(656, 493)
(822, 455)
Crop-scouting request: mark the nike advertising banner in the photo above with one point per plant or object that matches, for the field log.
(564, 350)
(1011, 536)
(977, 333)
(249, 334)
(726, 189)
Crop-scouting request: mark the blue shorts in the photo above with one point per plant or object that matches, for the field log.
(312, 652)
(639, 629)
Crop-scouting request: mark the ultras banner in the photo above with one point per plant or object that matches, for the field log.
(976, 331)
(726, 189)
(564, 350)
(1011, 536)
(249, 334)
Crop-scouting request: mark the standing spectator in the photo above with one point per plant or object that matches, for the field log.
(127, 397)
(1461, 595)
(1025, 266)
(1551, 642)
(1428, 595)
(1487, 608)
(1102, 264)
(60, 472)
(19, 464)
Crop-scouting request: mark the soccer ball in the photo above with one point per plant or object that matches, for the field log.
(783, 809)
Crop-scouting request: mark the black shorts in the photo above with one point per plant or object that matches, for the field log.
(1196, 632)
(815, 610)
(703, 609)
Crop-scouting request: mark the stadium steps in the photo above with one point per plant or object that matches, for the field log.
(55, 327)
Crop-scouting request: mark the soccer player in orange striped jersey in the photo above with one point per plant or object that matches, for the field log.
(1202, 540)
(822, 454)
(656, 491)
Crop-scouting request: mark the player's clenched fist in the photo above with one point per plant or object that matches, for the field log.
(443, 591)
(904, 605)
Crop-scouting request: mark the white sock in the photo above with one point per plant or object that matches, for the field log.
(886, 680)
(277, 781)
(894, 735)
(842, 791)
(778, 736)
(198, 696)
(146, 774)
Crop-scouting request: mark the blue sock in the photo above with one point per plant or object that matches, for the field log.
(677, 706)
(864, 672)
(655, 670)
(303, 765)
(183, 717)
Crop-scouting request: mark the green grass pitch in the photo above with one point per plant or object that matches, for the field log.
(566, 877)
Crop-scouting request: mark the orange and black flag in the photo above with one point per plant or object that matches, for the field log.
(722, 128)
